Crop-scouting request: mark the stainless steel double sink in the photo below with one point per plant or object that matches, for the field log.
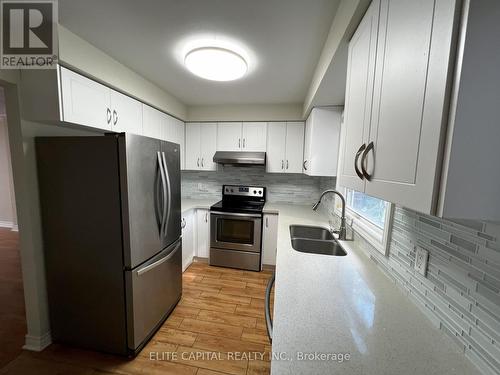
(315, 240)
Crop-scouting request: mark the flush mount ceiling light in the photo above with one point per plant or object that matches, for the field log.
(215, 63)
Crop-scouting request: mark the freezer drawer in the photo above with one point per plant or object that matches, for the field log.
(153, 290)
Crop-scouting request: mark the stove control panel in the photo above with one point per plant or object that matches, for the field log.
(245, 191)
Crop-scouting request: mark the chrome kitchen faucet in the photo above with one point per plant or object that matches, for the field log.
(342, 229)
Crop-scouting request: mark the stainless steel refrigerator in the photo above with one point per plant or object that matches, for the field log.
(111, 217)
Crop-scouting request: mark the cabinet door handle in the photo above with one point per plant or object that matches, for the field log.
(287, 164)
(198, 162)
(267, 222)
(304, 165)
(239, 142)
(108, 115)
(243, 142)
(360, 150)
(282, 164)
(115, 117)
(202, 162)
(363, 161)
(206, 217)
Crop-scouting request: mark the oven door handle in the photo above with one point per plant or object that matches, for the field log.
(235, 214)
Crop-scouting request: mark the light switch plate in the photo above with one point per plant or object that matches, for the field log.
(421, 258)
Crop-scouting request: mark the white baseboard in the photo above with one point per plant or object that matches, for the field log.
(6, 224)
(15, 228)
(37, 343)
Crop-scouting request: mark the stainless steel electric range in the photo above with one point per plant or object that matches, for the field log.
(236, 228)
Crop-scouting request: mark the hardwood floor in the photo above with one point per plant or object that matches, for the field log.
(12, 314)
(218, 327)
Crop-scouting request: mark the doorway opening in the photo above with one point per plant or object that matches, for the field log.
(12, 309)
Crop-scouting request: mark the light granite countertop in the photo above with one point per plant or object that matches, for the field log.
(346, 305)
(188, 204)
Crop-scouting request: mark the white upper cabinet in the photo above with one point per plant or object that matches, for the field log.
(358, 100)
(392, 135)
(241, 136)
(294, 147)
(181, 137)
(193, 146)
(408, 103)
(276, 146)
(126, 113)
(64, 96)
(229, 136)
(208, 134)
(85, 102)
(254, 136)
(322, 139)
(201, 141)
(173, 131)
(285, 145)
(153, 122)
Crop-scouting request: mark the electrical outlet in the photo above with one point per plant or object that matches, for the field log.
(201, 186)
(421, 258)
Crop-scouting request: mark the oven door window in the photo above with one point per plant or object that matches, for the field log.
(235, 231)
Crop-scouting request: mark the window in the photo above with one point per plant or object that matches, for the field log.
(372, 209)
(370, 217)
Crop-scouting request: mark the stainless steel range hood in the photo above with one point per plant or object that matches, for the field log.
(240, 158)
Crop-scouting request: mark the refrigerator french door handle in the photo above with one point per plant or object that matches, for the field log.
(164, 184)
(168, 196)
(149, 267)
(158, 190)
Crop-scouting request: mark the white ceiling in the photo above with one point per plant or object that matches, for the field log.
(282, 38)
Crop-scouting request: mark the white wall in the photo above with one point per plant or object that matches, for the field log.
(248, 112)
(332, 61)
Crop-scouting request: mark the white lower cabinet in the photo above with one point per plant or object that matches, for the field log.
(269, 239)
(202, 233)
(188, 238)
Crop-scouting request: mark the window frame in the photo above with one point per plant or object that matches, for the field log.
(379, 238)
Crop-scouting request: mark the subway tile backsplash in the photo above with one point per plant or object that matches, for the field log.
(281, 188)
